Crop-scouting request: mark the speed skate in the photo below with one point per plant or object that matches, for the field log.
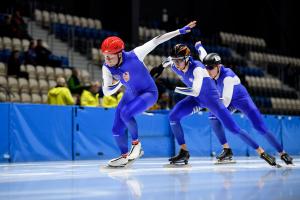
(177, 165)
(225, 161)
(123, 162)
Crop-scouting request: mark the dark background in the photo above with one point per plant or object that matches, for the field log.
(274, 20)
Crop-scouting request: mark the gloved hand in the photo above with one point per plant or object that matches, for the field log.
(187, 28)
(197, 45)
(167, 62)
(155, 72)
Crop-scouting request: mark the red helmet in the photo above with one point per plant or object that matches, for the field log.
(112, 45)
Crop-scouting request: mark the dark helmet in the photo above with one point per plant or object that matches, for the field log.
(180, 51)
(212, 59)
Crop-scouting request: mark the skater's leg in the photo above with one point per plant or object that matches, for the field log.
(251, 111)
(218, 129)
(183, 108)
(223, 114)
(121, 139)
(136, 106)
(118, 130)
(227, 119)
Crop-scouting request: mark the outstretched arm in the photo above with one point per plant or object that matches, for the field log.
(146, 48)
(200, 49)
(109, 87)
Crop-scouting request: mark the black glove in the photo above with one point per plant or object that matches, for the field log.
(156, 71)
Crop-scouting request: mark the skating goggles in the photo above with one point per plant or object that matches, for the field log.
(179, 59)
(209, 67)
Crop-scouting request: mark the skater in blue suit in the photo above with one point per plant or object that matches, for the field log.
(235, 97)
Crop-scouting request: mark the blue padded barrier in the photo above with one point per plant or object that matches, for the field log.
(155, 135)
(92, 133)
(291, 134)
(46, 133)
(153, 125)
(4, 139)
(40, 133)
(161, 146)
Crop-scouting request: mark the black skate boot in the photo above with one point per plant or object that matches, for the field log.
(287, 158)
(225, 157)
(226, 154)
(182, 157)
(268, 158)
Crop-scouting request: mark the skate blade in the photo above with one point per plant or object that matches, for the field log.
(112, 167)
(177, 165)
(277, 166)
(128, 165)
(289, 165)
(223, 162)
(285, 166)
